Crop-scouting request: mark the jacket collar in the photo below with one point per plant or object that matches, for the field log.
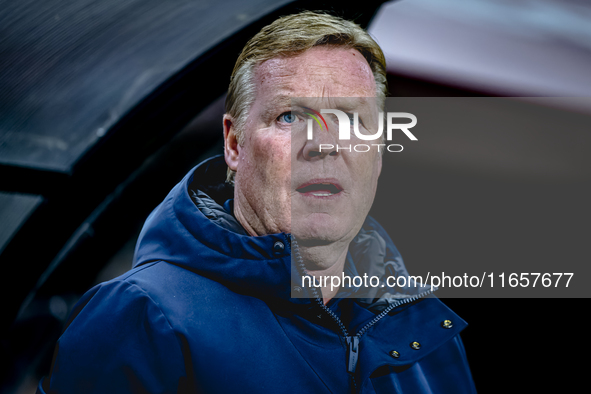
(191, 229)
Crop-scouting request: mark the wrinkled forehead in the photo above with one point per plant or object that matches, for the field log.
(323, 72)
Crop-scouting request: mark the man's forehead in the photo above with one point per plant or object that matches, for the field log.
(341, 103)
(318, 72)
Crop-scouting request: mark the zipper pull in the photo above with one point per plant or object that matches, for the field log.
(353, 343)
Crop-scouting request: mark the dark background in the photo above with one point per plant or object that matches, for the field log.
(104, 106)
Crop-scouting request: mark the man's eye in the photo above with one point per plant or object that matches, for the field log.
(352, 119)
(287, 117)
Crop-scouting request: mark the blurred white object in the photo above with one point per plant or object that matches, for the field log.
(505, 47)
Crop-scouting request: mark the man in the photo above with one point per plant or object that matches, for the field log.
(208, 306)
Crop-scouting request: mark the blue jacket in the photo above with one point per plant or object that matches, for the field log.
(207, 308)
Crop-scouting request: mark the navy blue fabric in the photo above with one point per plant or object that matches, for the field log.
(207, 309)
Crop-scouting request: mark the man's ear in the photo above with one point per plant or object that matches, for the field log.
(231, 151)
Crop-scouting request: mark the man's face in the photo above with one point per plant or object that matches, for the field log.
(283, 182)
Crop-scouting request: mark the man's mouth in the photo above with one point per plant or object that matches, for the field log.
(320, 189)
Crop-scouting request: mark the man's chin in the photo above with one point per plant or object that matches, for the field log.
(309, 242)
(323, 234)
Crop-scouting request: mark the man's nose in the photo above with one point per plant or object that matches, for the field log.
(320, 151)
(323, 143)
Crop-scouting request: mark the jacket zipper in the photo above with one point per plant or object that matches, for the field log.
(352, 340)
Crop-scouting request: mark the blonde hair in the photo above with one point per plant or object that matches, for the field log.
(289, 36)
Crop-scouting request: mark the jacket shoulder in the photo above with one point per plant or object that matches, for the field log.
(195, 305)
(117, 340)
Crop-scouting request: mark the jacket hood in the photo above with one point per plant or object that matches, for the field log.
(191, 229)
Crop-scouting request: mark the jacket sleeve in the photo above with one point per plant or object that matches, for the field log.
(116, 341)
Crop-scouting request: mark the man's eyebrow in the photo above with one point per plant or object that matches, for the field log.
(289, 102)
(283, 100)
(280, 99)
(275, 103)
(352, 103)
